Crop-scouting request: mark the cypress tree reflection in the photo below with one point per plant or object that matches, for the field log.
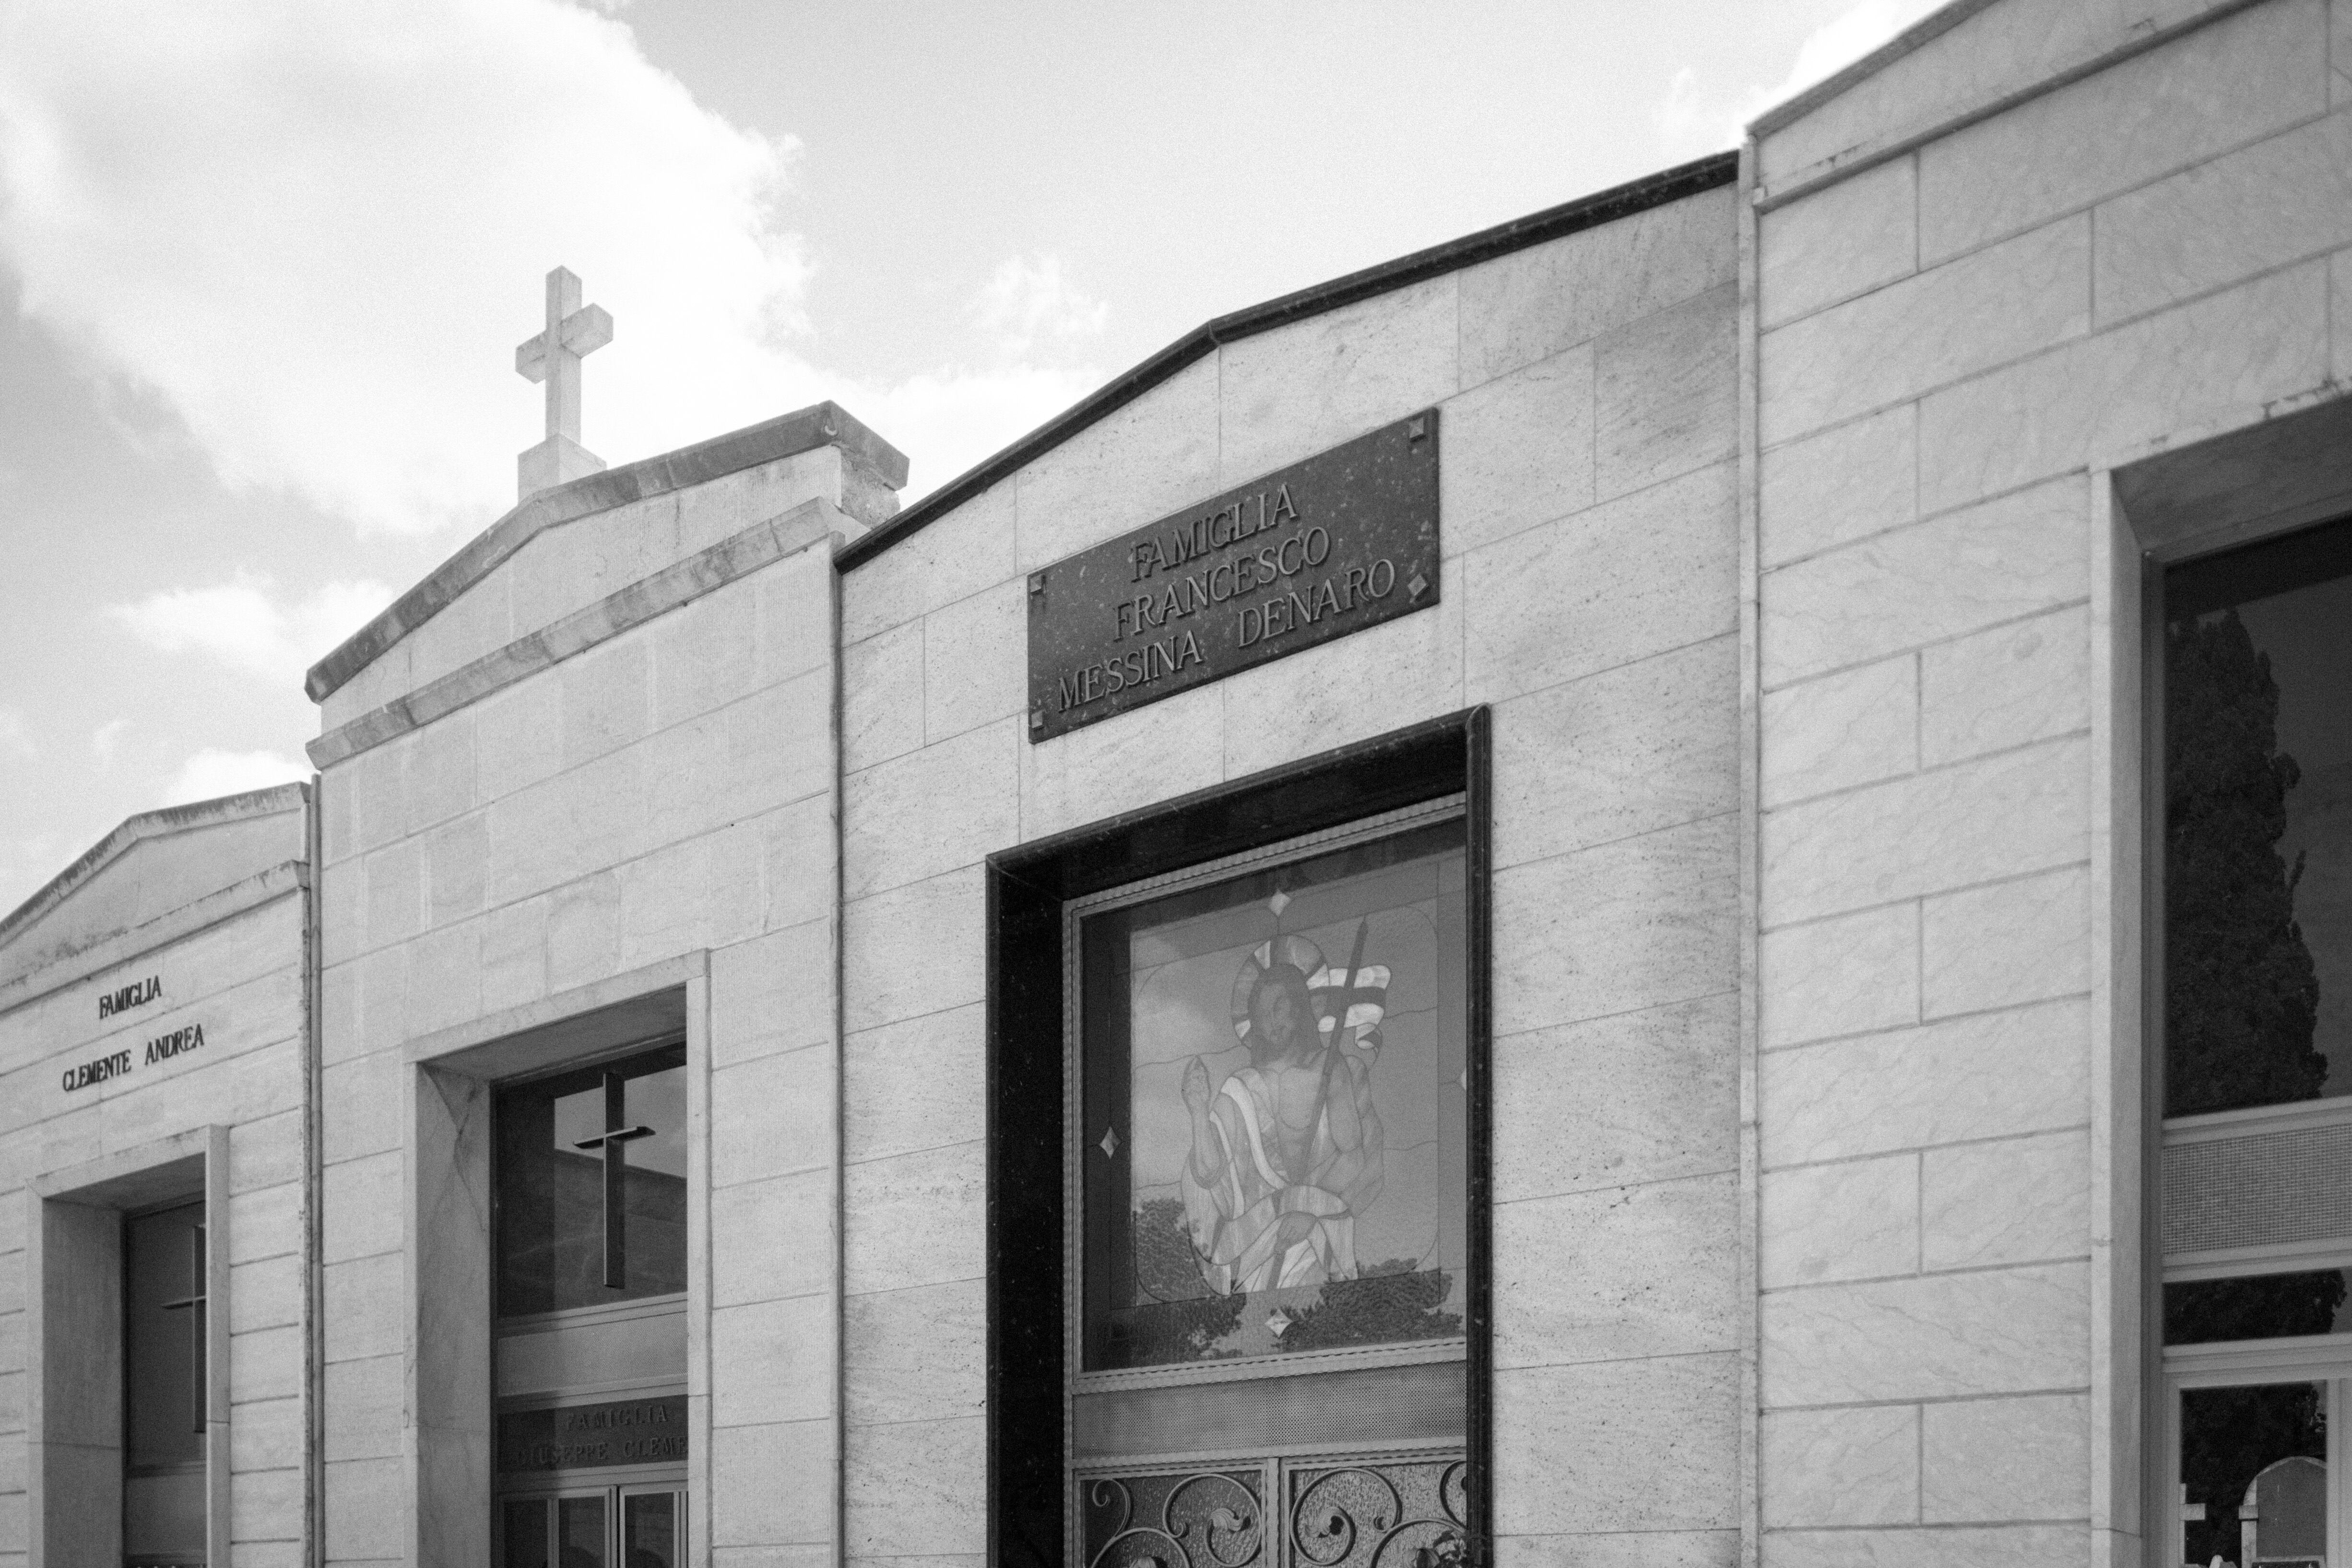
(2241, 997)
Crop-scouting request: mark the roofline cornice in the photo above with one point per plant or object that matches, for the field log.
(1553, 222)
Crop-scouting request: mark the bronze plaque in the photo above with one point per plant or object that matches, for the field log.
(592, 1437)
(1343, 540)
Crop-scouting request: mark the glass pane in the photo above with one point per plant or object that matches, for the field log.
(2254, 1474)
(525, 1534)
(2258, 831)
(163, 1348)
(580, 1532)
(163, 1519)
(1274, 1081)
(571, 1198)
(2262, 1306)
(649, 1530)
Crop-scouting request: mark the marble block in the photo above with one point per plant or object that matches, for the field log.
(1605, 1276)
(917, 1219)
(1306, 387)
(1656, 1090)
(882, 700)
(949, 558)
(916, 1355)
(2217, 362)
(2175, 105)
(1534, 303)
(976, 661)
(879, 985)
(2023, 681)
(1846, 483)
(916, 1084)
(1154, 455)
(1624, 752)
(1968, 315)
(773, 1115)
(1835, 243)
(2024, 1070)
(1666, 393)
(772, 1485)
(2001, 815)
(1995, 1460)
(1937, 1337)
(1856, 727)
(947, 805)
(1851, 974)
(1518, 451)
(1643, 574)
(1946, 577)
(916, 1489)
(780, 1361)
(2011, 942)
(1997, 1546)
(2223, 221)
(1849, 1466)
(1609, 1446)
(2017, 1200)
(1854, 1220)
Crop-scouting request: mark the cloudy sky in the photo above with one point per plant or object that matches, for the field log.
(264, 263)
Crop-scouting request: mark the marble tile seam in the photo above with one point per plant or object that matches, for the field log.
(1709, 1353)
(1813, 1287)
(1901, 1150)
(1918, 517)
(1621, 499)
(1925, 1017)
(911, 1153)
(1676, 827)
(1948, 766)
(1940, 892)
(1923, 265)
(1703, 1173)
(2077, 343)
(871, 1292)
(2004, 1397)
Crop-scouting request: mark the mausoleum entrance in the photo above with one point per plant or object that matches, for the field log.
(1267, 1190)
(590, 1346)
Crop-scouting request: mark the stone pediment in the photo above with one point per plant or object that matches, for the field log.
(154, 865)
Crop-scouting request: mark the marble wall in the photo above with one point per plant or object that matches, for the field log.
(1591, 536)
(210, 901)
(1956, 343)
(658, 801)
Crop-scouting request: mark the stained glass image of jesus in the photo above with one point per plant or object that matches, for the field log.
(1273, 1091)
(1287, 1150)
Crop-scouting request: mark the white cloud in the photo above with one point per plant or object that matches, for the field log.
(242, 624)
(1025, 300)
(16, 735)
(317, 231)
(212, 772)
(106, 740)
(1694, 118)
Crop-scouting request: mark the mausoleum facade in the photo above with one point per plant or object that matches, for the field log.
(1668, 885)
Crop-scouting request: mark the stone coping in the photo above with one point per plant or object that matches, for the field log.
(681, 582)
(157, 824)
(1553, 222)
(820, 425)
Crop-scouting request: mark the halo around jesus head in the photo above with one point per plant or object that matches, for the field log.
(1291, 952)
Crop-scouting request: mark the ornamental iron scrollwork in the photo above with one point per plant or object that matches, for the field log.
(1391, 1515)
(1180, 1518)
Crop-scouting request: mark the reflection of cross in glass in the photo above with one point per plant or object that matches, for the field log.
(193, 1305)
(614, 1141)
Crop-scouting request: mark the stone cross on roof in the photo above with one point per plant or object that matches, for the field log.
(553, 357)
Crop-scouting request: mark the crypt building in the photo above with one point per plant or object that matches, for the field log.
(1668, 885)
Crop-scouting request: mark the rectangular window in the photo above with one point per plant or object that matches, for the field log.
(2256, 1206)
(592, 1185)
(163, 1379)
(1269, 1071)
